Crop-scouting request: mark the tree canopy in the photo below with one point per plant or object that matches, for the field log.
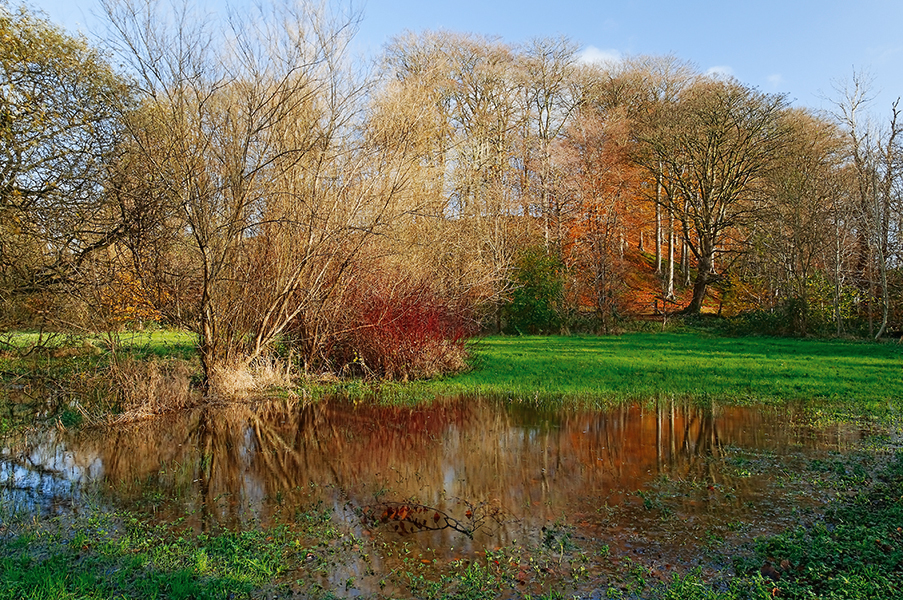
(59, 107)
(247, 179)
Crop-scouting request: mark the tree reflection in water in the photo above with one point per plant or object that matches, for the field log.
(497, 471)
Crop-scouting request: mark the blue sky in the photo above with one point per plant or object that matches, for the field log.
(798, 47)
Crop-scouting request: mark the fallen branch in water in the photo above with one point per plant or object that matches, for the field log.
(411, 517)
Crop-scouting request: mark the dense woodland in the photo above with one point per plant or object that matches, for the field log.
(246, 178)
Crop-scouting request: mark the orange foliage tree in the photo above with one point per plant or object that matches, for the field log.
(599, 183)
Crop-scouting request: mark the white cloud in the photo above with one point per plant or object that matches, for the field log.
(720, 71)
(593, 55)
(776, 80)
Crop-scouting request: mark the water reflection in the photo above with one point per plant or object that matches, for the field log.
(510, 468)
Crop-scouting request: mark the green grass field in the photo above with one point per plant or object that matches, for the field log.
(695, 365)
(637, 366)
(24, 351)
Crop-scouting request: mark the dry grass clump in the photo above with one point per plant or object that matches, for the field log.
(145, 388)
(241, 379)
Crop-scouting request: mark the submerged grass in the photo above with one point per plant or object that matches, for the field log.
(854, 550)
(119, 555)
(851, 550)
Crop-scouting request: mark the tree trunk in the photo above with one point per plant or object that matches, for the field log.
(207, 346)
(871, 304)
(685, 261)
(885, 298)
(837, 283)
(669, 284)
(658, 227)
(703, 278)
(700, 287)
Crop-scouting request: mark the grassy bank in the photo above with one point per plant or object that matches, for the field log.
(684, 365)
(638, 366)
(26, 348)
(68, 380)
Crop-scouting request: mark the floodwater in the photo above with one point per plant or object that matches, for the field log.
(451, 478)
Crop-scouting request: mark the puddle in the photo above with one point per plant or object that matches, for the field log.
(449, 480)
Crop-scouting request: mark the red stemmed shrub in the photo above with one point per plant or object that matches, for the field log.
(401, 327)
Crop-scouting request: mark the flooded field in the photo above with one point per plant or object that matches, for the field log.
(449, 481)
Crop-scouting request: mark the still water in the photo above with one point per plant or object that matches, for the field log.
(454, 477)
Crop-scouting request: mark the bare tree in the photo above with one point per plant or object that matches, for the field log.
(711, 148)
(252, 128)
(876, 160)
(794, 235)
(597, 184)
(549, 86)
(636, 88)
(471, 121)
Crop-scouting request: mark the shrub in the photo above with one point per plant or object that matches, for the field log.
(401, 327)
(794, 315)
(536, 300)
